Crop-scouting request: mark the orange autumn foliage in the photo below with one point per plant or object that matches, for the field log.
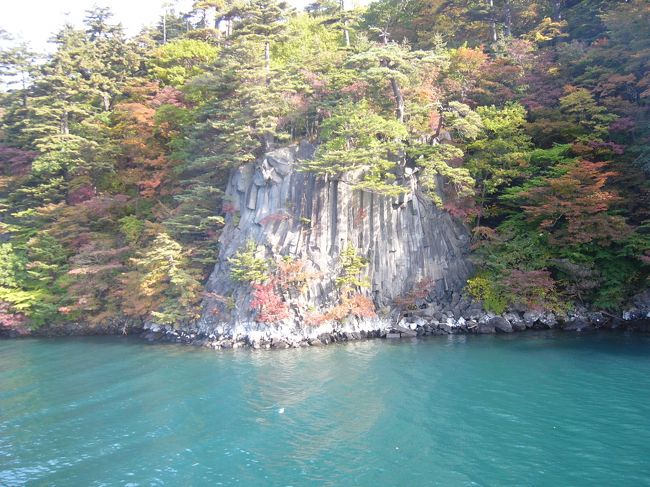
(574, 207)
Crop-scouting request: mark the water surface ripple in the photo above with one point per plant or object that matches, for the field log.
(540, 409)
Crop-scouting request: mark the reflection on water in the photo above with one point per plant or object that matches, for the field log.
(458, 410)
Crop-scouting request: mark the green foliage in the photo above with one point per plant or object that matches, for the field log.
(357, 140)
(591, 120)
(29, 280)
(530, 121)
(246, 267)
(168, 281)
(499, 154)
(463, 122)
(435, 164)
(309, 43)
(352, 265)
(487, 290)
(132, 228)
(176, 62)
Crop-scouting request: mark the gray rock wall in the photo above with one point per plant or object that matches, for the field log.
(288, 212)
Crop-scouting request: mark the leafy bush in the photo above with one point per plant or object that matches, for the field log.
(268, 303)
(355, 305)
(489, 292)
(352, 265)
(246, 267)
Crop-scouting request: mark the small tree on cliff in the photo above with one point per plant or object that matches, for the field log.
(262, 20)
(352, 264)
(358, 139)
(246, 267)
(352, 302)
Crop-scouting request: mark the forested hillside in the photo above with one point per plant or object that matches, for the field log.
(528, 119)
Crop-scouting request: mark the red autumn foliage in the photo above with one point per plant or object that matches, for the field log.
(464, 209)
(15, 162)
(356, 89)
(80, 194)
(168, 96)
(314, 80)
(623, 124)
(291, 273)
(356, 305)
(148, 188)
(269, 305)
(144, 139)
(360, 215)
(278, 216)
(573, 207)
(616, 84)
(102, 205)
(420, 290)
(498, 82)
(535, 287)
(607, 147)
(597, 150)
(544, 90)
(229, 208)
(12, 320)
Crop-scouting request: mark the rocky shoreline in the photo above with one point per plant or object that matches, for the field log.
(415, 330)
(459, 316)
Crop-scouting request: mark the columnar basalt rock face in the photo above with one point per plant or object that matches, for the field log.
(287, 212)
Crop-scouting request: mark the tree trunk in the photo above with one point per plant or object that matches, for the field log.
(165, 27)
(23, 93)
(65, 125)
(399, 99)
(346, 31)
(438, 128)
(106, 100)
(493, 22)
(557, 10)
(267, 57)
(507, 18)
(268, 140)
(481, 206)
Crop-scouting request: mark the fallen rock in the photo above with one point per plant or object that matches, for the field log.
(515, 321)
(578, 325)
(404, 331)
(428, 312)
(531, 318)
(548, 320)
(325, 338)
(598, 319)
(500, 324)
(446, 327)
(486, 328)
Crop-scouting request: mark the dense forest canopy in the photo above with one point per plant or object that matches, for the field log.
(526, 118)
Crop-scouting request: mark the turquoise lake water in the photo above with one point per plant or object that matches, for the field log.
(534, 409)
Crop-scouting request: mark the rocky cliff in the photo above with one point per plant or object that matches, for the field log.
(286, 212)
